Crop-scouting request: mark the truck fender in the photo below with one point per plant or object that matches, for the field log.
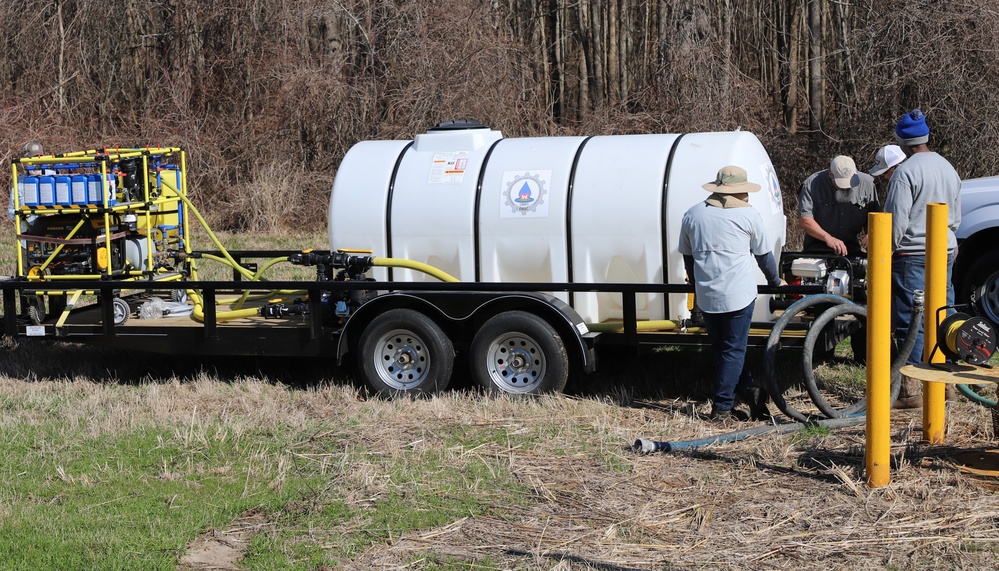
(978, 220)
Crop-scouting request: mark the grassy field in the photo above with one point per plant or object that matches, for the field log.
(114, 460)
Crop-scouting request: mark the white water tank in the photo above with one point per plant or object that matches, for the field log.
(603, 209)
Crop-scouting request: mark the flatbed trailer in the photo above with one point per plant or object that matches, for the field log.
(444, 318)
(102, 233)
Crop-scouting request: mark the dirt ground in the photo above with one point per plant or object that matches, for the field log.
(770, 502)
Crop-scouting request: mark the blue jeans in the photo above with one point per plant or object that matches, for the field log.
(908, 273)
(729, 335)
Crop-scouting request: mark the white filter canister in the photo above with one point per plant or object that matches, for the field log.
(29, 191)
(95, 192)
(46, 191)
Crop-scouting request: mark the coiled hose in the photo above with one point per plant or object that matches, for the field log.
(841, 306)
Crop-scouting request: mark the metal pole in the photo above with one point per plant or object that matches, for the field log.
(878, 450)
(934, 394)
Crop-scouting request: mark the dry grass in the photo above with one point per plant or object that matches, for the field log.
(770, 502)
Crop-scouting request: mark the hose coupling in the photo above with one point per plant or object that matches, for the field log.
(918, 298)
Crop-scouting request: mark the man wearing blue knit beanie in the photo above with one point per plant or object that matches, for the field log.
(923, 178)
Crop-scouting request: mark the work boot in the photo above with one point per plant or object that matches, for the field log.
(723, 414)
(910, 394)
(756, 399)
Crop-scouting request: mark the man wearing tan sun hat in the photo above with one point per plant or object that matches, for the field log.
(721, 240)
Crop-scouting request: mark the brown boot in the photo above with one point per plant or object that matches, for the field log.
(910, 394)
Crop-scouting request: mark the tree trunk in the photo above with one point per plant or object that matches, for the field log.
(815, 54)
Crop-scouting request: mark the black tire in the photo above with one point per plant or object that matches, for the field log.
(404, 352)
(980, 286)
(519, 353)
(36, 309)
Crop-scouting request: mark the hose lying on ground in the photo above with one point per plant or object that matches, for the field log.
(849, 416)
(647, 446)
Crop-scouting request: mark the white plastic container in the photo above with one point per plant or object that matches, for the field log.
(557, 209)
(46, 191)
(78, 189)
(63, 190)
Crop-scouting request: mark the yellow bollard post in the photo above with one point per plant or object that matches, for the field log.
(878, 450)
(934, 394)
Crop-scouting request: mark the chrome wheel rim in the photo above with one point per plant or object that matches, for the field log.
(516, 363)
(401, 359)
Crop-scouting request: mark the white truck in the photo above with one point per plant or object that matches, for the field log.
(976, 270)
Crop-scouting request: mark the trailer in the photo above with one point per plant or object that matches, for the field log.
(113, 265)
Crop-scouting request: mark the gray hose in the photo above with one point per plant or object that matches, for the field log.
(646, 446)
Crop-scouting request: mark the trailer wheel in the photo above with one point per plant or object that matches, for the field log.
(121, 310)
(519, 353)
(36, 309)
(404, 351)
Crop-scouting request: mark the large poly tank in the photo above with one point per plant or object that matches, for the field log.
(603, 209)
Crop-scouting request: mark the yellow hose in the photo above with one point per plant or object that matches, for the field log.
(199, 310)
(610, 326)
(618, 326)
(413, 265)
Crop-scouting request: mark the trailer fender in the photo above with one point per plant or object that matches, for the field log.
(461, 314)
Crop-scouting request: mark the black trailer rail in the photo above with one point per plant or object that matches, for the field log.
(403, 336)
(309, 334)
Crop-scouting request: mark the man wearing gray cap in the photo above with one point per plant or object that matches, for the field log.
(832, 208)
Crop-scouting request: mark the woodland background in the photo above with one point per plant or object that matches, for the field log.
(267, 95)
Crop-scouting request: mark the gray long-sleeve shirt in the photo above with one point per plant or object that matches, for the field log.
(922, 179)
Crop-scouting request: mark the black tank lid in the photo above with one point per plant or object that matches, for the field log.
(457, 125)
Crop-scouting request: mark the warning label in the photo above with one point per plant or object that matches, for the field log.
(448, 168)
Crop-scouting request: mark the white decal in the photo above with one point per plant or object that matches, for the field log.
(525, 194)
(772, 188)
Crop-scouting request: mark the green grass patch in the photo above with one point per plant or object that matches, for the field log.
(129, 500)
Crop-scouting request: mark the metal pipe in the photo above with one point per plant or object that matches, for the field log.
(877, 452)
(934, 394)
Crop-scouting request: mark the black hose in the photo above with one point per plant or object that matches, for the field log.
(770, 353)
(647, 446)
(807, 362)
(901, 356)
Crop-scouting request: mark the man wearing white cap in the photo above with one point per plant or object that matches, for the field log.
(887, 158)
(832, 208)
(722, 240)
